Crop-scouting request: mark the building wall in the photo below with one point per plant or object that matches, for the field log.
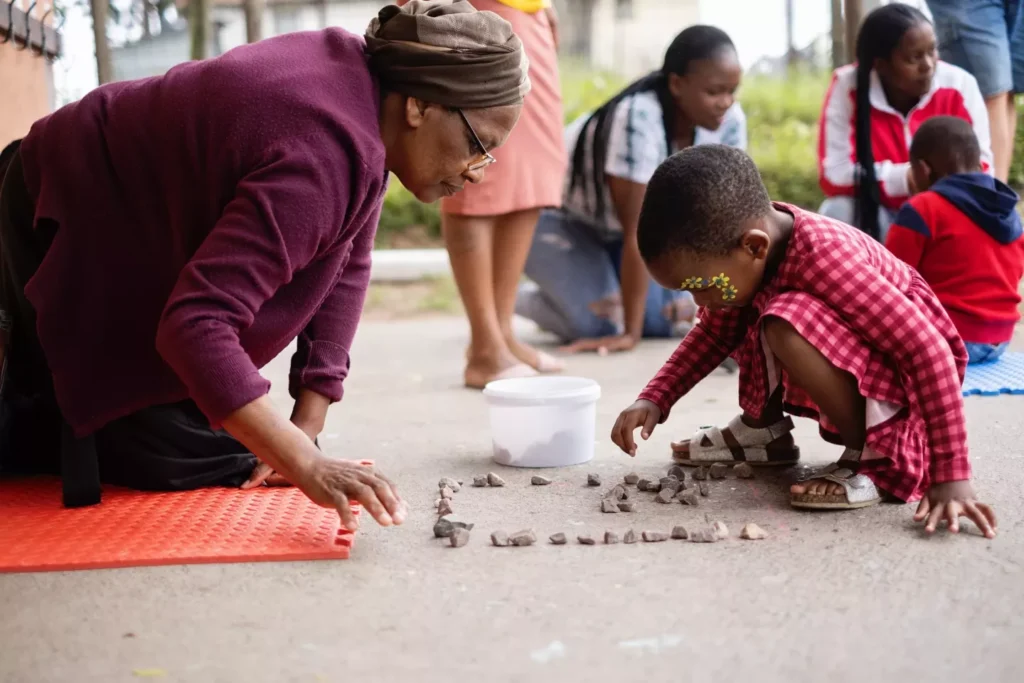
(26, 81)
(635, 42)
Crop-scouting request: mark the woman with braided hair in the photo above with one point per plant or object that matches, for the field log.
(590, 286)
(164, 239)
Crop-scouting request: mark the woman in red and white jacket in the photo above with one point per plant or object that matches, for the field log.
(874, 107)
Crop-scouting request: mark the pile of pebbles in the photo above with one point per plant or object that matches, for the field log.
(673, 487)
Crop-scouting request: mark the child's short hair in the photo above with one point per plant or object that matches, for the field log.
(699, 200)
(947, 143)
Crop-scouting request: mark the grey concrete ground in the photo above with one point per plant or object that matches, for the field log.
(841, 597)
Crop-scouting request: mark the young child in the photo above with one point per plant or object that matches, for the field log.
(824, 322)
(963, 234)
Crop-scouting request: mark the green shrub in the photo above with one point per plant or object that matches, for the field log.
(782, 126)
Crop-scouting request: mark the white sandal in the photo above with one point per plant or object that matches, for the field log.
(859, 490)
(753, 445)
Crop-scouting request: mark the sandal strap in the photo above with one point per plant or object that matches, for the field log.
(759, 436)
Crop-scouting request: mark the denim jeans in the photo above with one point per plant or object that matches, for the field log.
(572, 269)
(984, 353)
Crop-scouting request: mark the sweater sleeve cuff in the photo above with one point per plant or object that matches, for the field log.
(659, 399)
(953, 469)
(225, 386)
(319, 366)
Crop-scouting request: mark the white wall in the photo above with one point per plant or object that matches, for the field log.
(637, 45)
(353, 16)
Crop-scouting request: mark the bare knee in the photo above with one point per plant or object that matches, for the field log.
(779, 333)
(463, 234)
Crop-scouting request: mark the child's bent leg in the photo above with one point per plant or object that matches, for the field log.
(833, 390)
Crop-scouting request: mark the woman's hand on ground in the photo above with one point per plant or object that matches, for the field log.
(603, 345)
(950, 501)
(334, 483)
(641, 414)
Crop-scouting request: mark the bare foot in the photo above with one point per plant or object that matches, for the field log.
(538, 360)
(483, 369)
(816, 487)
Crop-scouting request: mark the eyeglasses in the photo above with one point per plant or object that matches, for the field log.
(485, 159)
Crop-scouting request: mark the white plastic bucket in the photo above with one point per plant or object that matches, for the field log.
(543, 421)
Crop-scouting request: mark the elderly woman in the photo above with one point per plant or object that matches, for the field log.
(164, 239)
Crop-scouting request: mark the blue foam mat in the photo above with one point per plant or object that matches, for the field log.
(1005, 376)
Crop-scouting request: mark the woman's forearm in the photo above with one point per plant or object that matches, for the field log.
(310, 411)
(635, 282)
(274, 440)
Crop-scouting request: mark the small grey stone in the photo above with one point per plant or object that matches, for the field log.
(631, 478)
(642, 484)
(459, 537)
(558, 539)
(679, 533)
(700, 474)
(618, 493)
(718, 470)
(459, 482)
(702, 486)
(538, 480)
(444, 507)
(444, 526)
(494, 480)
(609, 505)
(721, 530)
(610, 538)
(677, 471)
(479, 481)
(499, 538)
(593, 479)
(704, 535)
(655, 536)
(671, 484)
(629, 537)
(523, 538)
(586, 539)
(688, 498)
(665, 496)
(450, 483)
(447, 492)
(743, 471)
(752, 532)
(626, 506)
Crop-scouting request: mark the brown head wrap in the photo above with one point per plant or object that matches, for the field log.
(447, 53)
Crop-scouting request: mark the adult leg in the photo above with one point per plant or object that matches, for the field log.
(470, 244)
(833, 390)
(513, 235)
(841, 209)
(171, 448)
(573, 275)
(976, 35)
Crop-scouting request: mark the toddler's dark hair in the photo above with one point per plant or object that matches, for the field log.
(948, 144)
(699, 200)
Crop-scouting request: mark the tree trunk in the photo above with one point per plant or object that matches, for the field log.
(840, 56)
(199, 25)
(104, 67)
(790, 46)
(253, 19)
(853, 16)
(147, 13)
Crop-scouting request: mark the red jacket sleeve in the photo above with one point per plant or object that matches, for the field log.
(910, 232)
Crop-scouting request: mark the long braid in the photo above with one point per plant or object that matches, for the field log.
(692, 44)
(878, 37)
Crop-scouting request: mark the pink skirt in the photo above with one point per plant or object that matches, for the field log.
(530, 170)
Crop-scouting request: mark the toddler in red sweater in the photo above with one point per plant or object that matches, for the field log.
(963, 234)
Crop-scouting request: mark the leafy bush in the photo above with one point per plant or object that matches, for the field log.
(782, 124)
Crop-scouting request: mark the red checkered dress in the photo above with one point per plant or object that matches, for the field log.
(870, 315)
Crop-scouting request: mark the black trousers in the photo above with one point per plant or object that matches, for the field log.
(164, 447)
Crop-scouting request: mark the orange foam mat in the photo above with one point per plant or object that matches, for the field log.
(133, 528)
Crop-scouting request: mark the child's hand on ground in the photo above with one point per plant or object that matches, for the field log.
(953, 500)
(641, 414)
